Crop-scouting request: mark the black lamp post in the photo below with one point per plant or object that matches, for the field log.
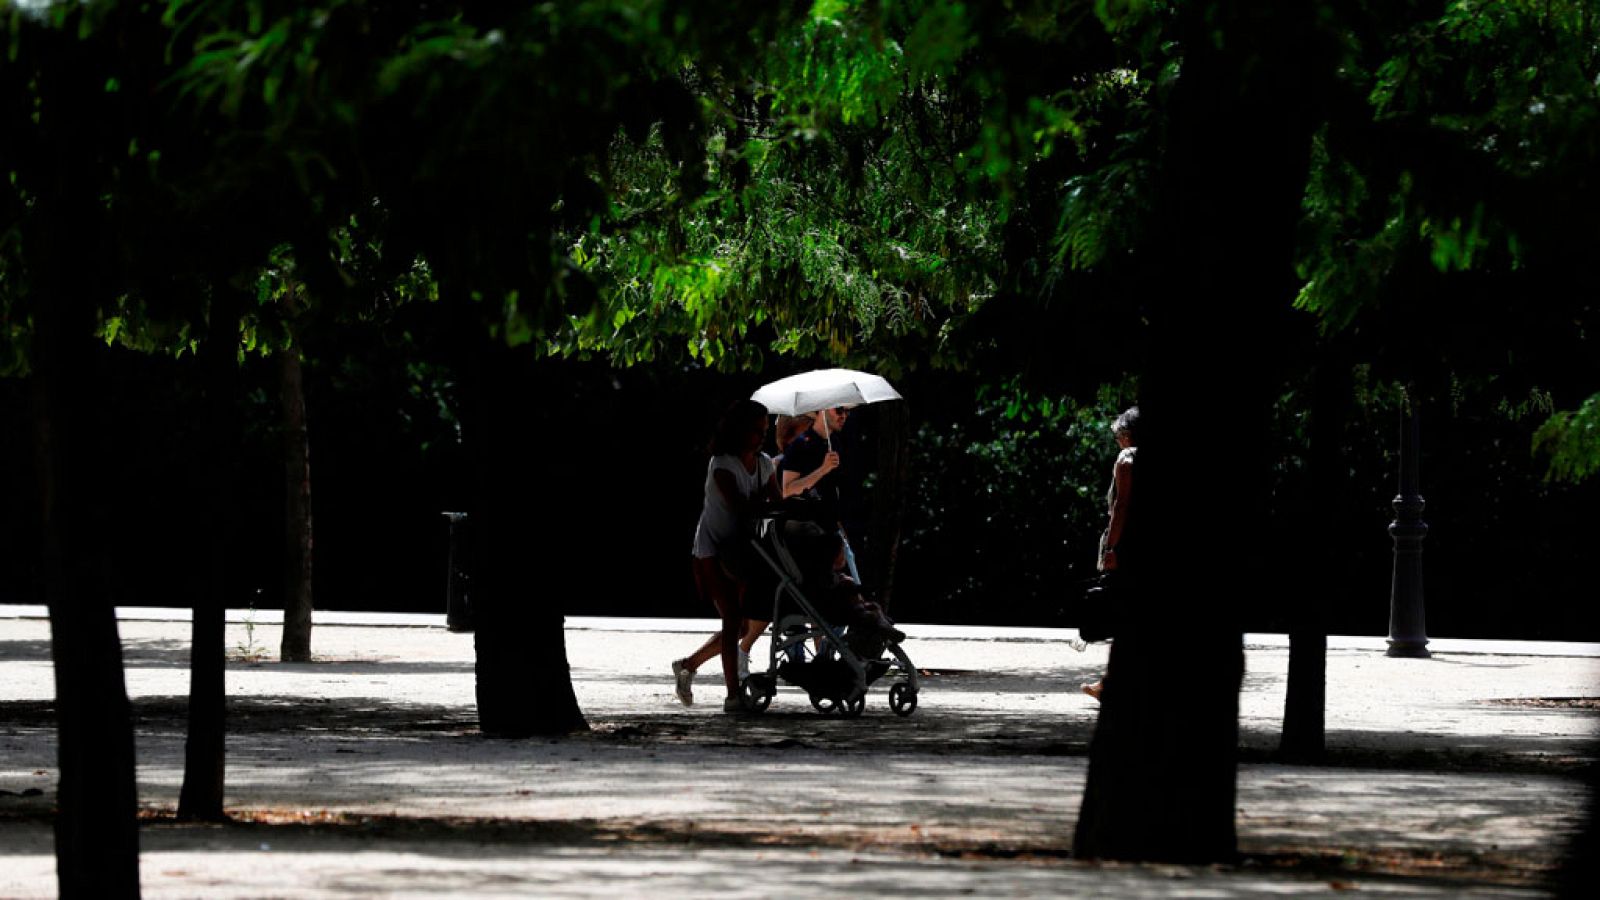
(1407, 633)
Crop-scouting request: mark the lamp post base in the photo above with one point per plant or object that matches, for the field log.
(1412, 649)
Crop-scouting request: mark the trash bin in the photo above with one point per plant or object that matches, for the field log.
(457, 596)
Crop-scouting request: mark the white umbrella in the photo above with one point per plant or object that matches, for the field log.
(823, 389)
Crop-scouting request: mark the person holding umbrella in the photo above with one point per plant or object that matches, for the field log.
(739, 477)
(808, 464)
(829, 394)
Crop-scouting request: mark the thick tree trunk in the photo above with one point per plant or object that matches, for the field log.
(1163, 760)
(296, 644)
(889, 496)
(97, 835)
(205, 753)
(1580, 871)
(524, 684)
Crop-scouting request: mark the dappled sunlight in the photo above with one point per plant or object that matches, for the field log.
(380, 739)
(1407, 809)
(435, 861)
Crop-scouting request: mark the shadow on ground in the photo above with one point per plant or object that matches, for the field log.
(795, 726)
(297, 835)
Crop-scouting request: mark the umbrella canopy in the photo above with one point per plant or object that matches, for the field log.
(823, 389)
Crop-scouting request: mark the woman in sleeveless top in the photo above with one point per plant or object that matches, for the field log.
(1114, 543)
(739, 478)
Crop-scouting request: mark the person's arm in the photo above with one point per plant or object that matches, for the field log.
(770, 490)
(794, 483)
(1122, 474)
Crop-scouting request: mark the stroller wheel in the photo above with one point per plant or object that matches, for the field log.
(854, 706)
(825, 705)
(757, 691)
(902, 699)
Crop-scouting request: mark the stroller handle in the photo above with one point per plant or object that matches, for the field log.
(791, 509)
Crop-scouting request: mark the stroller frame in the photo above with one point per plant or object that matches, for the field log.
(808, 651)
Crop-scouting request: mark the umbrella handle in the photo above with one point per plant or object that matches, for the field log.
(827, 435)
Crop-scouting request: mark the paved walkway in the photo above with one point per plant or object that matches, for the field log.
(1452, 776)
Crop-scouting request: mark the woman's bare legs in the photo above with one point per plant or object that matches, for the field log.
(712, 647)
(753, 629)
(727, 596)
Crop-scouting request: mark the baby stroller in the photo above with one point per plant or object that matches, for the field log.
(825, 639)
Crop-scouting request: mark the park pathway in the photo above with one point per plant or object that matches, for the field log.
(363, 774)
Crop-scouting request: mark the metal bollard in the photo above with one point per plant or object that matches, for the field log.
(458, 602)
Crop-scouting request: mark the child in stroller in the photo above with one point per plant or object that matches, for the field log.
(827, 637)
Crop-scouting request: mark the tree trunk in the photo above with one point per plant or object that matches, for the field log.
(97, 834)
(205, 754)
(1304, 708)
(1163, 760)
(296, 644)
(889, 495)
(1304, 738)
(1580, 871)
(524, 684)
